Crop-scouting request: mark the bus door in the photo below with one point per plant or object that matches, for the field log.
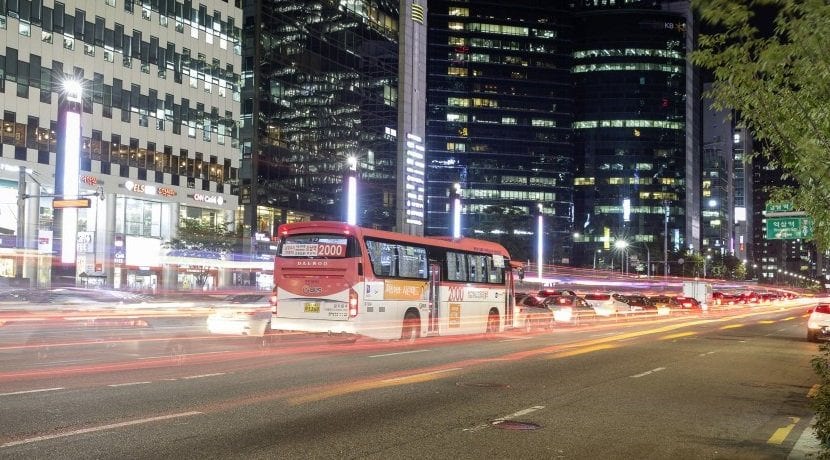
(434, 297)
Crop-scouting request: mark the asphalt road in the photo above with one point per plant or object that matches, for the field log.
(724, 385)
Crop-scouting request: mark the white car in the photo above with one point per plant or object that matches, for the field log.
(607, 304)
(243, 314)
(818, 325)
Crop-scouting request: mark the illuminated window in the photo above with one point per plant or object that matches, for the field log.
(616, 180)
(457, 117)
(458, 11)
(644, 195)
(457, 71)
(456, 147)
(457, 41)
(668, 181)
(629, 66)
(584, 181)
(456, 26)
(458, 102)
(643, 166)
(663, 53)
(543, 123)
(508, 120)
(479, 102)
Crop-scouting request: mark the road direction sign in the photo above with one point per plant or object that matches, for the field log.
(789, 228)
(76, 203)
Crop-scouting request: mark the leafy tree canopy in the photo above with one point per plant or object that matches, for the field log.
(778, 80)
(196, 235)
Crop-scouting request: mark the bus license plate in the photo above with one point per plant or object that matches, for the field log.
(312, 307)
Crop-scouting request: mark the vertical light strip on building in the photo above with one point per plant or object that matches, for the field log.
(414, 179)
(71, 173)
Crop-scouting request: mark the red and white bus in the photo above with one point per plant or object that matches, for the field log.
(331, 277)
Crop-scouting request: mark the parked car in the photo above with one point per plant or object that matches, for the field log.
(570, 309)
(666, 302)
(607, 304)
(244, 315)
(748, 298)
(638, 302)
(532, 313)
(547, 292)
(818, 325)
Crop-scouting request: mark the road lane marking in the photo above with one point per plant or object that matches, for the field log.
(707, 353)
(39, 390)
(732, 326)
(127, 384)
(202, 376)
(789, 318)
(636, 376)
(516, 339)
(781, 434)
(398, 353)
(505, 418)
(766, 321)
(365, 385)
(581, 350)
(99, 428)
(678, 335)
(419, 377)
(813, 391)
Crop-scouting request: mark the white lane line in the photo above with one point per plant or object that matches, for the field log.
(202, 376)
(98, 428)
(185, 354)
(40, 390)
(398, 353)
(505, 418)
(516, 339)
(425, 374)
(636, 376)
(707, 353)
(127, 384)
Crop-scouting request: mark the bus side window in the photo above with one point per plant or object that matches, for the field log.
(456, 266)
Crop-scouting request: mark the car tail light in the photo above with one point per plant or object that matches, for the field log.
(824, 308)
(352, 303)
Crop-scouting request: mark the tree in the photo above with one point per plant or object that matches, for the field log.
(779, 82)
(201, 240)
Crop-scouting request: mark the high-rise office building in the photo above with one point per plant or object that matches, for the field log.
(320, 85)
(151, 134)
(499, 121)
(631, 130)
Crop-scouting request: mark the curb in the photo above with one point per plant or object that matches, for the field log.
(807, 446)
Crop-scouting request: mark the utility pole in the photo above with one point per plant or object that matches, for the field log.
(666, 241)
(21, 223)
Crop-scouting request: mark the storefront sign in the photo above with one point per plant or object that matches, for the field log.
(44, 241)
(148, 189)
(91, 180)
(210, 199)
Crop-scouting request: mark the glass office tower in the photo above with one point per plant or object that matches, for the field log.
(630, 132)
(499, 121)
(320, 83)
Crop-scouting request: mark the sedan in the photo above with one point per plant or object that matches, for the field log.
(531, 313)
(570, 309)
(818, 325)
(607, 304)
(243, 315)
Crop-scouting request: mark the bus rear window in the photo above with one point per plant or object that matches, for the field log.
(315, 246)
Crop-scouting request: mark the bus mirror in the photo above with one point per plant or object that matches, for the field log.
(360, 269)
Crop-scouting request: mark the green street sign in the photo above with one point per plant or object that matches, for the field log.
(779, 207)
(789, 228)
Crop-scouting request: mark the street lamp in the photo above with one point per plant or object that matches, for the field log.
(621, 245)
(705, 260)
(598, 251)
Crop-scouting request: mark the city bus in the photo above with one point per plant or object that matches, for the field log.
(336, 278)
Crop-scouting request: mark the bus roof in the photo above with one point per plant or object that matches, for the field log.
(467, 244)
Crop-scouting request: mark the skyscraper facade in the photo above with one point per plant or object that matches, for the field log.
(320, 85)
(500, 107)
(153, 138)
(631, 133)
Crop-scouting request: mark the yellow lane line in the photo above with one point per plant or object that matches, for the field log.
(732, 326)
(581, 351)
(781, 434)
(789, 318)
(677, 336)
(766, 321)
(813, 391)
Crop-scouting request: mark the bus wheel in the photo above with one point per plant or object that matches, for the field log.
(411, 327)
(492, 322)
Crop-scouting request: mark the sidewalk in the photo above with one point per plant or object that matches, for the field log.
(807, 446)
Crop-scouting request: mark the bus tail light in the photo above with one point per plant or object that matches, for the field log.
(352, 303)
